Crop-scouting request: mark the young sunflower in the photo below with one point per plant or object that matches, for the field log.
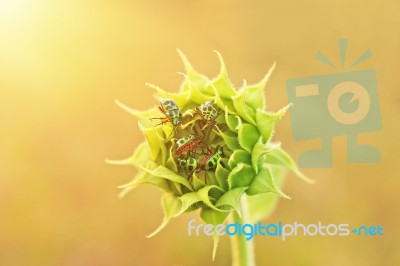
(209, 147)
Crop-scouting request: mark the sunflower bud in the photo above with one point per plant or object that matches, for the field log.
(209, 147)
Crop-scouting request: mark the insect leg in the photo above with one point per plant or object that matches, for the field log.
(157, 118)
(162, 122)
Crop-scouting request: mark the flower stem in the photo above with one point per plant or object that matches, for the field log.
(242, 249)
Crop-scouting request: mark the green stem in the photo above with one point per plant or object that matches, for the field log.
(242, 249)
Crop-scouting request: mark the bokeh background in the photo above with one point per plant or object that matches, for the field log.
(62, 64)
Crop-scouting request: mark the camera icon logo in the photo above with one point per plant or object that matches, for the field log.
(325, 106)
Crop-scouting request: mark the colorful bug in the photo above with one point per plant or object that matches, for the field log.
(210, 161)
(171, 111)
(187, 143)
(187, 164)
(208, 112)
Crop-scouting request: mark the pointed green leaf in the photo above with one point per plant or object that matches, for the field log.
(170, 163)
(266, 121)
(165, 173)
(257, 155)
(197, 182)
(260, 149)
(143, 116)
(213, 217)
(239, 156)
(157, 145)
(144, 178)
(222, 103)
(245, 112)
(188, 200)
(231, 120)
(215, 245)
(241, 176)
(204, 194)
(255, 93)
(260, 206)
(140, 156)
(230, 140)
(231, 198)
(195, 94)
(198, 80)
(264, 182)
(134, 112)
(248, 136)
(279, 157)
(222, 176)
(225, 88)
(171, 206)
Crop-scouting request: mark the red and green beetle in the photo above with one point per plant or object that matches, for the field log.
(187, 144)
(187, 164)
(208, 112)
(210, 161)
(171, 111)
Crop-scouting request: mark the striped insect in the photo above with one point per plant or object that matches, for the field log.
(208, 112)
(187, 164)
(171, 111)
(187, 144)
(210, 161)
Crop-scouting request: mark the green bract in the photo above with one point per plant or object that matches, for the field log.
(251, 170)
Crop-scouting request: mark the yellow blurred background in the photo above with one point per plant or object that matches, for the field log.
(62, 64)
